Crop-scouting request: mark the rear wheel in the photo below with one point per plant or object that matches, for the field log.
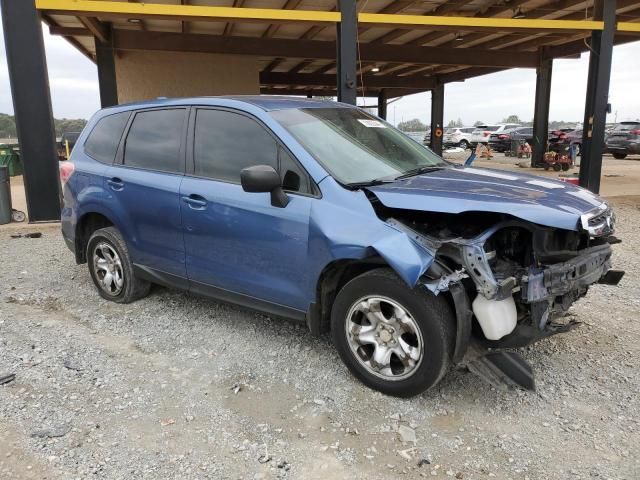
(394, 339)
(565, 167)
(557, 167)
(463, 144)
(620, 156)
(111, 268)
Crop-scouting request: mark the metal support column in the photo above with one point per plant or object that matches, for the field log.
(437, 118)
(32, 107)
(105, 58)
(382, 104)
(347, 52)
(595, 111)
(541, 110)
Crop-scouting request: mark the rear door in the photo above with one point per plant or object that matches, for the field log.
(145, 183)
(237, 241)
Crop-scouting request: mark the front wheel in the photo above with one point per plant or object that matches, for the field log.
(393, 338)
(111, 268)
(463, 144)
(620, 156)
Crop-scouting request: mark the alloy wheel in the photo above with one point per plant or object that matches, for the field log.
(108, 270)
(384, 338)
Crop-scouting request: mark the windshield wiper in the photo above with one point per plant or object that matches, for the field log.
(370, 183)
(418, 171)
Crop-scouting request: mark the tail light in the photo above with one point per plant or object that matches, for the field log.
(66, 170)
(635, 132)
(562, 135)
(486, 134)
(504, 136)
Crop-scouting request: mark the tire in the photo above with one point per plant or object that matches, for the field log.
(107, 253)
(565, 167)
(427, 333)
(557, 167)
(463, 144)
(620, 156)
(547, 167)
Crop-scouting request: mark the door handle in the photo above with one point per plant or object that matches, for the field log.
(116, 184)
(195, 201)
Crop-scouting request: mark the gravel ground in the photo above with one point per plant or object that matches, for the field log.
(180, 387)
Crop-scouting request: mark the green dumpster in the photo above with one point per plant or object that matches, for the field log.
(10, 157)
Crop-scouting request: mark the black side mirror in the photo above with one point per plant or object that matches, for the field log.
(264, 178)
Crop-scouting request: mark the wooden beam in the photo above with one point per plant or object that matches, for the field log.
(69, 38)
(331, 92)
(442, 9)
(313, 49)
(96, 28)
(228, 28)
(273, 28)
(324, 80)
(107, 9)
(55, 29)
(184, 26)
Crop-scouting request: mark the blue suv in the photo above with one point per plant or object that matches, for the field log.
(320, 212)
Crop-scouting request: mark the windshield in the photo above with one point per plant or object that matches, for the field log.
(353, 146)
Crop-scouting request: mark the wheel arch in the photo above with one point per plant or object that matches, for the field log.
(332, 278)
(88, 223)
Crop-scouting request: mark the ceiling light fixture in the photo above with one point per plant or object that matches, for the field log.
(518, 13)
(134, 20)
(375, 69)
(458, 38)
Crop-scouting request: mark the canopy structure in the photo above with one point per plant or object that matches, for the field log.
(340, 48)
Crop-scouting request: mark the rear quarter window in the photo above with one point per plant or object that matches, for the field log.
(102, 142)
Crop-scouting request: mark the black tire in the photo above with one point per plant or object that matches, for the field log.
(547, 167)
(557, 167)
(620, 156)
(463, 144)
(132, 288)
(432, 315)
(565, 167)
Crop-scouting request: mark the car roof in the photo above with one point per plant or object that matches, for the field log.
(266, 102)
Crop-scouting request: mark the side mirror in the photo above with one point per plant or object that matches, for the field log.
(264, 178)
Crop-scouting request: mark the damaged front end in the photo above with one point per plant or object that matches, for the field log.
(511, 281)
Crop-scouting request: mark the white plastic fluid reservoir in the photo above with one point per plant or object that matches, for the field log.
(496, 317)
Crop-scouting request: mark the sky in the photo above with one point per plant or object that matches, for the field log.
(491, 98)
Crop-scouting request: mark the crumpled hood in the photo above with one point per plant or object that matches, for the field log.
(455, 190)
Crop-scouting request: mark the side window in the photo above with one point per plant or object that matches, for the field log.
(226, 142)
(102, 142)
(294, 178)
(154, 140)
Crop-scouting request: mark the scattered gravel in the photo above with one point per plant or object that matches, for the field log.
(180, 387)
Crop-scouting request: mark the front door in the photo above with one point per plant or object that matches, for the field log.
(237, 241)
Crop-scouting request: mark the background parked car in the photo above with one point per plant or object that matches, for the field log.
(572, 138)
(624, 140)
(482, 133)
(458, 137)
(417, 136)
(501, 142)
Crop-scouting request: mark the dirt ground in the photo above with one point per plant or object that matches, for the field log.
(175, 386)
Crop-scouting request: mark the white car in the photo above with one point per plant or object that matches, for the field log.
(457, 137)
(482, 133)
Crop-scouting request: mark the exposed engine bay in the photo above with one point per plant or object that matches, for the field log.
(511, 281)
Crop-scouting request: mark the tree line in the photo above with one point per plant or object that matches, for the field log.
(62, 125)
